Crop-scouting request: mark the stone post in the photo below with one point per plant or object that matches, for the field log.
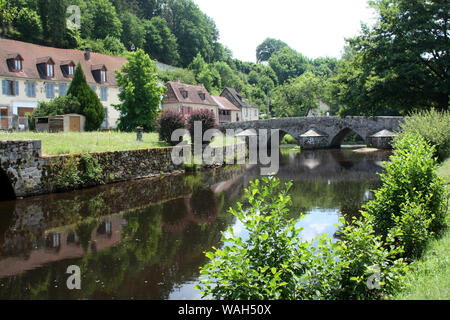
(139, 131)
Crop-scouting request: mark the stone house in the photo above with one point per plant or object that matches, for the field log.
(32, 73)
(228, 112)
(249, 112)
(186, 98)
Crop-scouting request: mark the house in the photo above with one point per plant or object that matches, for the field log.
(32, 73)
(322, 110)
(228, 112)
(186, 99)
(249, 112)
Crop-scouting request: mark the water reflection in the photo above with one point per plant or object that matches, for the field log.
(145, 239)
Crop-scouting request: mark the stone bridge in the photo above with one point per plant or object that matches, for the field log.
(327, 132)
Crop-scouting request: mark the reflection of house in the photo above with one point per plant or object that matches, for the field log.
(186, 98)
(31, 73)
(228, 112)
(249, 112)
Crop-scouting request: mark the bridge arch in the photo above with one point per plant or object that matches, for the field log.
(7, 192)
(339, 138)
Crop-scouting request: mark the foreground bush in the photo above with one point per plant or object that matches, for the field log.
(432, 125)
(275, 263)
(412, 198)
(167, 124)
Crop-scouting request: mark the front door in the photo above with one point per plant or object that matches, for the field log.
(75, 125)
(4, 119)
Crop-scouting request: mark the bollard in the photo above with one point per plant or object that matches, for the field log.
(139, 131)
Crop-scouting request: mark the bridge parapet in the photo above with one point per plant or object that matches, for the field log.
(333, 130)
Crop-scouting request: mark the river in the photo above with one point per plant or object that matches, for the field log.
(146, 239)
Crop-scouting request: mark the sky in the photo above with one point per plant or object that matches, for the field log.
(316, 28)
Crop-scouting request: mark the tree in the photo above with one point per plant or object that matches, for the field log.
(266, 49)
(28, 23)
(297, 97)
(288, 63)
(160, 43)
(7, 14)
(133, 31)
(141, 95)
(91, 106)
(402, 63)
(100, 20)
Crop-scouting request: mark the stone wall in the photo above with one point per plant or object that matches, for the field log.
(30, 173)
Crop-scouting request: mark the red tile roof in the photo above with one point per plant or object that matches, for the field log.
(225, 104)
(33, 54)
(175, 89)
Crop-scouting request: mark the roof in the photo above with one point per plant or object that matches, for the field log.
(33, 54)
(383, 133)
(225, 104)
(313, 133)
(175, 89)
(235, 97)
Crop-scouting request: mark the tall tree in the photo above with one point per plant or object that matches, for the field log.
(288, 64)
(100, 20)
(141, 95)
(160, 43)
(91, 106)
(402, 63)
(266, 49)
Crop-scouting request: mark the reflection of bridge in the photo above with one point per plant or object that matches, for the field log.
(324, 132)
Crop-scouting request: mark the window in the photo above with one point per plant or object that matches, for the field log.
(31, 89)
(104, 94)
(103, 76)
(18, 65)
(202, 96)
(105, 121)
(184, 93)
(50, 71)
(10, 88)
(49, 90)
(62, 90)
(94, 88)
(71, 70)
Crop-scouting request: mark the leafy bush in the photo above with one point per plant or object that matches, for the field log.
(288, 139)
(434, 126)
(274, 262)
(410, 178)
(369, 267)
(206, 117)
(168, 123)
(58, 106)
(90, 170)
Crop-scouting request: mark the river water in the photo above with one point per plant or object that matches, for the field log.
(146, 239)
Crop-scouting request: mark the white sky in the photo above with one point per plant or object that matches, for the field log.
(316, 28)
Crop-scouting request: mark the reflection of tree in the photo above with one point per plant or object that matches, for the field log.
(174, 211)
(84, 231)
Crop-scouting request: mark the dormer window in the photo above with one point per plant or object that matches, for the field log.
(15, 62)
(184, 93)
(68, 68)
(202, 95)
(100, 73)
(46, 67)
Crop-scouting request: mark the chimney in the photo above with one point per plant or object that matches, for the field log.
(87, 54)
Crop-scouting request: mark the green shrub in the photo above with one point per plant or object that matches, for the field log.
(410, 177)
(167, 124)
(275, 263)
(434, 126)
(66, 174)
(370, 268)
(288, 139)
(90, 170)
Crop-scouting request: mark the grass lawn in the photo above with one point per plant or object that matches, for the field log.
(75, 142)
(430, 276)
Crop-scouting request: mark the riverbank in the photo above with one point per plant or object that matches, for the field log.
(429, 279)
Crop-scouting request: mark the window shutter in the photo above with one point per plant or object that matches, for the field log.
(33, 89)
(4, 87)
(16, 89)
